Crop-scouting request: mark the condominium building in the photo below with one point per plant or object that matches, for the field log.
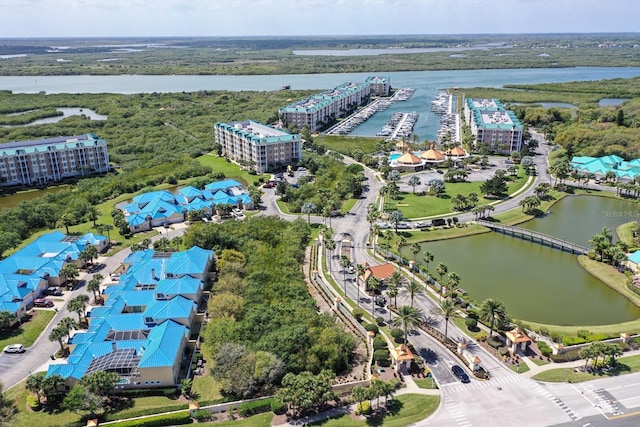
(379, 86)
(317, 111)
(492, 124)
(143, 332)
(41, 161)
(264, 147)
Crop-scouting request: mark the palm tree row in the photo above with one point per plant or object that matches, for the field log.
(530, 203)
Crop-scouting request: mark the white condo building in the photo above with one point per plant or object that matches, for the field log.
(267, 148)
(492, 124)
(41, 161)
(317, 111)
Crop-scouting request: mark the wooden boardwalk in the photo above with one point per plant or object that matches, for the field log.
(535, 237)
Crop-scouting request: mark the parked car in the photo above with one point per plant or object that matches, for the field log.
(460, 373)
(421, 224)
(403, 225)
(269, 184)
(384, 225)
(42, 302)
(15, 348)
(55, 291)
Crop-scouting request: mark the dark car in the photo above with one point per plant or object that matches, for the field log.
(55, 291)
(460, 373)
(42, 302)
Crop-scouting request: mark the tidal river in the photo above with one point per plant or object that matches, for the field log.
(426, 84)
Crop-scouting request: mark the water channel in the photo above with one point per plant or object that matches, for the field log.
(426, 83)
(535, 282)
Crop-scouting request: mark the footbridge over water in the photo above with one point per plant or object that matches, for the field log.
(535, 237)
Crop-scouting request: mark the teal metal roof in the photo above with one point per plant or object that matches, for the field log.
(163, 345)
(51, 144)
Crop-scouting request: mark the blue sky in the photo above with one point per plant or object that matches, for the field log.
(68, 18)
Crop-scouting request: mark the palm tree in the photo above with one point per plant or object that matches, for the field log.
(308, 208)
(397, 281)
(396, 217)
(374, 285)
(330, 245)
(94, 286)
(57, 334)
(360, 270)
(453, 281)
(78, 305)
(68, 324)
(491, 311)
(92, 214)
(345, 262)
(606, 234)
(408, 317)
(441, 270)
(413, 289)
(428, 257)
(449, 310)
(413, 182)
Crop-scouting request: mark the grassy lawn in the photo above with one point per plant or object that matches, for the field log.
(140, 405)
(625, 233)
(147, 405)
(539, 362)
(411, 408)
(416, 236)
(205, 389)
(27, 333)
(626, 365)
(427, 383)
(230, 170)
(347, 144)
(521, 370)
(259, 420)
(25, 418)
(415, 206)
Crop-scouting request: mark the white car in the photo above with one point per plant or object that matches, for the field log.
(15, 348)
(420, 224)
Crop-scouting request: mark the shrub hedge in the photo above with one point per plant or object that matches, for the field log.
(256, 407)
(175, 419)
(372, 327)
(379, 343)
(567, 356)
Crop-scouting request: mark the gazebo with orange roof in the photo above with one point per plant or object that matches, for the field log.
(456, 152)
(516, 337)
(408, 162)
(432, 155)
(402, 357)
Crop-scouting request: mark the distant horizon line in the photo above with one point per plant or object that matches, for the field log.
(328, 36)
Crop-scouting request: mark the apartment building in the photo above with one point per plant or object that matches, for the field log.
(492, 124)
(143, 330)
(317, 111)
(379, 85)
(41, 161)
(264, 147)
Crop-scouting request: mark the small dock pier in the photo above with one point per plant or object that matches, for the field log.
(535, 237)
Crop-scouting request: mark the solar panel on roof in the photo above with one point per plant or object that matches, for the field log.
(123, 361)
(161, 255)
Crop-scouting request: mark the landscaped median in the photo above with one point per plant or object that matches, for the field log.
(407, 409)
(624, 365)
